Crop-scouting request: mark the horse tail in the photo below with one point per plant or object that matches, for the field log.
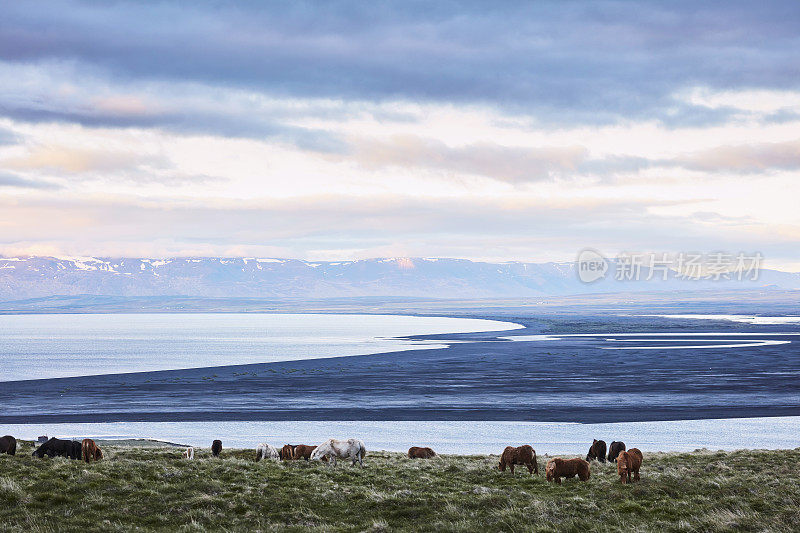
(362, 450)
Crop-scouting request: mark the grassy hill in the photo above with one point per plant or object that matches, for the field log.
(152, 488)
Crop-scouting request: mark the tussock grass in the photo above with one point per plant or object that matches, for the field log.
(148, 488)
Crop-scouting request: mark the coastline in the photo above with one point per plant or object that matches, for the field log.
(478, 377)
(450, 437)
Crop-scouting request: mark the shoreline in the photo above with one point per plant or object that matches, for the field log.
(460, 438)
(151, 443)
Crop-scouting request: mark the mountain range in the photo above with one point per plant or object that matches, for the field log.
(35, 277)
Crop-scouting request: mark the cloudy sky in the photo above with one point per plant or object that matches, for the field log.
(482, 130)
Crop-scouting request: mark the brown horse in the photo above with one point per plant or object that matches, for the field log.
(597, 451)
(303, 451)
(90, 451)
(524, 455)
(614, 448)
(286, 453)
(294, 452)
(628, 464)
(8, 444)
(420, 453)
(557, 468)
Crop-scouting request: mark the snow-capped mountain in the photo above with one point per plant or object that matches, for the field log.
(31, 277)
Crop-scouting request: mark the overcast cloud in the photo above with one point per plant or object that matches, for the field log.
(511, 130)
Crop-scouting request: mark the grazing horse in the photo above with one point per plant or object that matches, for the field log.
(303, 451)
(352, 449)
(8, 444)
(59, 448)
(287, 452)
(216, 448)
(614, 448)
(265, 451)
(294, 452)
(77, 450)
(524, 455)
(557, 468)
(628, 464)
(188, 454)
(420, 453)
(597, 451)
(90, 452)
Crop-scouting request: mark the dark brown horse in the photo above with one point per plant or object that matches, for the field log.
(416, 452)
(59, 448)
(614, 449)
(216, 448)
(8, 444)
(597, 451)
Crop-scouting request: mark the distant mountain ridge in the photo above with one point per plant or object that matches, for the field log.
(34, 277)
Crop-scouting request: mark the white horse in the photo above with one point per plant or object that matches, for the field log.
(188, 453)
(352, 449)
(265, 451)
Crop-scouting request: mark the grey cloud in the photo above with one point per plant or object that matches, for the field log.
(576, 62)
(741, 159)
(11, 180)
(8, 137)
(532, 164)
(187, 122)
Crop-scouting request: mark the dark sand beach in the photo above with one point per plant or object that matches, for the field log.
(480, 376)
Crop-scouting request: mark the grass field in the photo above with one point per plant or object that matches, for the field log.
(152, 488)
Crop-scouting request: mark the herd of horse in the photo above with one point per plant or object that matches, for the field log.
(628, 461)
(85, 450)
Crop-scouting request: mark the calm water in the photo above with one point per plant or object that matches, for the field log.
(451, 437)
(48, 346)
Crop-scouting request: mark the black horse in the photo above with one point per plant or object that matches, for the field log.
(597, 451)
(59, 448)
(614, 449)
(216, 447)
(8, 444)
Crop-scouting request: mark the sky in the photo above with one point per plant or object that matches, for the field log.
(344, 130)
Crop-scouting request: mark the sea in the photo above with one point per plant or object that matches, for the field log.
(40, 346)
(46, 346)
